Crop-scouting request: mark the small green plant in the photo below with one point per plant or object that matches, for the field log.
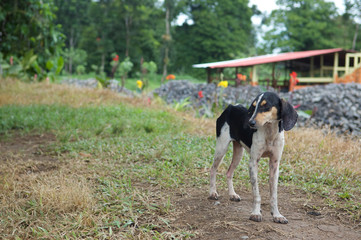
(124, 69)
(180, 106)
(102, 80)
(73, 58)
(148, 71)
(121, 69)
(80, 69)
(306, 114)
(344, 195)
(54, 67)
(22, 68)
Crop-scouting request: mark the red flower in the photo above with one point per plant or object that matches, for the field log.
(98, 39)
(116, 58)
(11, 60)
(241, 77)
(200, 94)
(293, 81)
(170, 77)
(293, 74)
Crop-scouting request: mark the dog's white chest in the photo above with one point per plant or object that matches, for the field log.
(267, 142)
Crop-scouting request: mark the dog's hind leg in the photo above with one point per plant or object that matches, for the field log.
(237, 156)
(221, 148)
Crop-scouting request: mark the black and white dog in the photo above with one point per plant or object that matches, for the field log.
(259, 130)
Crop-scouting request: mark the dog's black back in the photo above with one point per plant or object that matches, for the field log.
(237, 118)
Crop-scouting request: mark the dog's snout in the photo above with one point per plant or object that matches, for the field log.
(252, 122)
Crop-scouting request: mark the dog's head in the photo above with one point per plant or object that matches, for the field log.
(269, 108)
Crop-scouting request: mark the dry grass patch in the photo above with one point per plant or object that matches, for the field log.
(322, 148)
(20, 93)
(63, 194)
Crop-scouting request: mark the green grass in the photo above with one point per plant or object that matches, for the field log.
(87, 122)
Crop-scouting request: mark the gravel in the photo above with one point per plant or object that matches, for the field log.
(337, 106)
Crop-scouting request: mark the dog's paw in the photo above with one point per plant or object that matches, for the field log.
(256, 217)
(213, 196)
(280, 219)
(235, 198)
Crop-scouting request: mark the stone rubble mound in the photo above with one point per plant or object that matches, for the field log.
(337, 106)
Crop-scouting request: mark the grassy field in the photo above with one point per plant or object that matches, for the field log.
(82, 163)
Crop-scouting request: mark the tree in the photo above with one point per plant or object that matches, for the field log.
(302, 25)
(353, 15)
(126, 27)
(98, 37)
(172, 9)
(216, 30)
(140, 21)
(72, 15)
(29, 25)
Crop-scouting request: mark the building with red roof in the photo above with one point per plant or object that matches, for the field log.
(311, 67)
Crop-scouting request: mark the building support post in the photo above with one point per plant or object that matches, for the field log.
(236, 79)
(321, 63)
(347, 64)
(254, 76)
(209, 77)
(335, 67)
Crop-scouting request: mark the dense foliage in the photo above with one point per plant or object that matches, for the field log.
(29, 37)
(85, 35)
(312, 24)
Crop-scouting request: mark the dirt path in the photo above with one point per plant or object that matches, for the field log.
(229, 220)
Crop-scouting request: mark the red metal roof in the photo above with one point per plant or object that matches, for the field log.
(280, 57)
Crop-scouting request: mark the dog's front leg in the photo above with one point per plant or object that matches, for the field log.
(253, 173)
(273, 182)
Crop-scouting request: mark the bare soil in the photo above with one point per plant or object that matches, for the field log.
(222, 219)
(29, 152)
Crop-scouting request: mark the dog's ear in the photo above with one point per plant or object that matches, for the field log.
(288, 115)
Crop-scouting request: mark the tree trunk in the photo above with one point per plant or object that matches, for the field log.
(123, 83)
(167, 39)
(70, 64)
(71, 50)
(103, 63)
(128, 23)
(355, 37)
(165, 64)
(114, 69)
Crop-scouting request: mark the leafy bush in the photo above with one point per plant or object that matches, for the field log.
(80, 69)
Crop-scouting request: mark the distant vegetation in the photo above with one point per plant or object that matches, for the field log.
(42, 39)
